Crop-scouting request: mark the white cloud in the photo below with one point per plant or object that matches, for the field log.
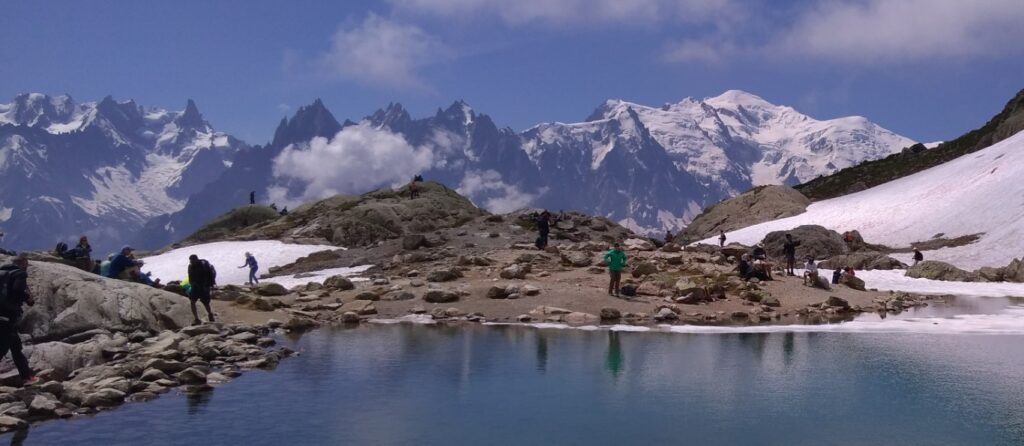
(359, 158)
(557, 12)
(382, 52)
(876, 31)
(497, 196)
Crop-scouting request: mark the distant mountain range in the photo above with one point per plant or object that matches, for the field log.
(651, 168)
(101, 169)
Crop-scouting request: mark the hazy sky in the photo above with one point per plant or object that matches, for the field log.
(928, 69)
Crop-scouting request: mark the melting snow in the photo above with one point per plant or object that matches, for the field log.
(226, 257)
(977, 193)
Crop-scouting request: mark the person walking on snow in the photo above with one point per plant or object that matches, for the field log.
(13, 293)
(202, 277)
(721, 238)
(250, 261)
(616, 261)
(918, 257)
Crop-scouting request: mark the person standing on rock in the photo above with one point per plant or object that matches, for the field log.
(543, 228)
(252, 197)
(250, 261)
(721, 239)
(202, 277)
(918, 257)
(13, 294)
(616, 261)
(789, 248)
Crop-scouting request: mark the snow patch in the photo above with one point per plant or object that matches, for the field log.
(975, 193)
(226, 257)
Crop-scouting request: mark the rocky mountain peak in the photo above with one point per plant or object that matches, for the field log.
(308, 122)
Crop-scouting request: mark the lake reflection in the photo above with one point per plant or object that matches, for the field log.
(405, 384)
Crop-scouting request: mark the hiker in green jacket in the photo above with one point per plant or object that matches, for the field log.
(616, 261)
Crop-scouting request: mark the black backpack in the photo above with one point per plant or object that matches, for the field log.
(60, 249)
(212, 271)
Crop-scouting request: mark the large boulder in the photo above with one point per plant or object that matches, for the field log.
(761, 204)
(936, 270)
(1014, 272)
(271, 289)
(815, 241)
(577, 259)
(341, 283)
(70, 301)
(862, 260)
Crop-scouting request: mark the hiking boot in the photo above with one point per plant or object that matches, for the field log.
(212, 319)
(197, 322)
(30, 380)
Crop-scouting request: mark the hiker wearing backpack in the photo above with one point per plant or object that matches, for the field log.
(13, 293)
(250, 261)
(202, 276)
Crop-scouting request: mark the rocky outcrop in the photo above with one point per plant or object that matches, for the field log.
(816, 241)
(935, 270)
(70, 301)
(758, 205)
(372, 217)
(862, 260)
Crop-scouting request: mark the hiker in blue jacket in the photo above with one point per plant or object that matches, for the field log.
(250, 261)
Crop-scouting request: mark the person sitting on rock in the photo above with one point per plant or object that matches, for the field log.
(761, 261)
(848, 271)
(14, 280)
(810, 272)
(918, 256)
(250, 261)
(616, 261)
(668, 236)
(202, 277)
(122, 263)
(837, 275)
(747, 270)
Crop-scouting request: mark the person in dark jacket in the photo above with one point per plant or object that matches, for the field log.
(918, 257)
(201, 278)
(250, 261)
(121, 263)
(721, 238)
(15, 294)
(252, 197)
(543, 228)
(789, 249)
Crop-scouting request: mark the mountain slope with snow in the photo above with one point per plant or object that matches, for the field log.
(980, 192)
(100, 169)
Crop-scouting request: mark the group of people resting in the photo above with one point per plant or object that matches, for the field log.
(756, 265)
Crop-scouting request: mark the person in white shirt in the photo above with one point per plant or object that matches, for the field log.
(810, 272)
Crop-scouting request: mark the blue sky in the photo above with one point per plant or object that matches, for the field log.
(928, 69)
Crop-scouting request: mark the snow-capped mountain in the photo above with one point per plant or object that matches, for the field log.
(649, 168)
(100, 169)
(977, 193)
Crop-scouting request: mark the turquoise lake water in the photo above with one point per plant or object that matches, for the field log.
(413, 385)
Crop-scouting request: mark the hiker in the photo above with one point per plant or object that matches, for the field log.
(284, 211)
(810, 272)
(202, 277)
(789, 248)
(543, 228)
(273, 206)
(413, 191)
(668, 236)
(848, 271)
(837, 275)
(616, 261)
(13, 293)
(122, 263)
(918, 257)
(252, 197)
(82, 250)
(250, 261)
(761, 262)
(749, 270)
(721, 239)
